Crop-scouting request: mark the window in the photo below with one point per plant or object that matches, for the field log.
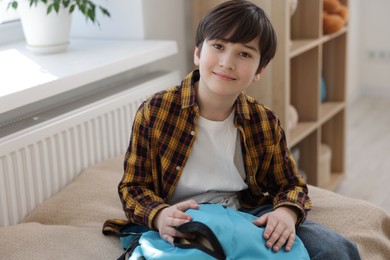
(7, 14)
(10, 26)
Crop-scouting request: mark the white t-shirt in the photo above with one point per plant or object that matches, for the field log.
(215, 170)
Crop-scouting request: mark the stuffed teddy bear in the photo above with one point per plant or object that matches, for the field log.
(335, 16)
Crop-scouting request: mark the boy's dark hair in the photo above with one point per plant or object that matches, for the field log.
(239, 21)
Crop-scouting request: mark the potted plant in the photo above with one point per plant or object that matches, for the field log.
(46, 23)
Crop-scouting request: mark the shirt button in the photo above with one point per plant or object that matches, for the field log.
(192, 132)
(177, 168)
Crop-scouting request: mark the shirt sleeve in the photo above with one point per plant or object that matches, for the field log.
(137, 189)
(286, 186)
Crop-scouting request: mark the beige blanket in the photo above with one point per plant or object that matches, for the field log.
(68, 226)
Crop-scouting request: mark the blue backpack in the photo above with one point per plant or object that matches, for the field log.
(221, 233)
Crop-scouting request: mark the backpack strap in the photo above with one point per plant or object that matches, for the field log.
(130, 249)
(205, 239)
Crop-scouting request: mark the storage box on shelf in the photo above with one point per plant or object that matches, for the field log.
(305, 58)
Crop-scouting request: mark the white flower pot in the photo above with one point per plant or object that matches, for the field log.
(45, 33)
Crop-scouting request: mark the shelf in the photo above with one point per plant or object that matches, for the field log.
(300, 46)
(329, 109)
(299, 132)
(329, 37)
(311, 58)
(86, 61)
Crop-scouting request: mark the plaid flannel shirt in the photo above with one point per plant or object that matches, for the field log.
(164, 130)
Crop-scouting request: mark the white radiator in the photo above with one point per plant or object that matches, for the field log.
(37, 162)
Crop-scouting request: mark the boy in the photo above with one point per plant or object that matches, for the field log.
(207, 142)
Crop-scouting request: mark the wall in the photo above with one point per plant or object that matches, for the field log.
(144, 19)
(126, 21)
(369, 49)
(171, 20)
(353, 79)
(374, 47)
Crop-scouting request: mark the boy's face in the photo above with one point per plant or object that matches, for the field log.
(227, 68)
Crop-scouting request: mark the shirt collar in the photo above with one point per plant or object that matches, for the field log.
(188, 97)
(242, 107)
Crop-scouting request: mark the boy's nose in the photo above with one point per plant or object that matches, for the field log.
(227, 61)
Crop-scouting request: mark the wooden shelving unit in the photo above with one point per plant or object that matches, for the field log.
(304, 57)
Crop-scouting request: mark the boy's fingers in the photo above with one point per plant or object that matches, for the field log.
(168, 238)
(170, 233)
(269, 230)
(261, 221)
(290, 242)
(281, 239)
(188, 204)
(179, 215)
(177, 221)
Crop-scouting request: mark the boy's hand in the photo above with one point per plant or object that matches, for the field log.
(279, 227)
(168, 218)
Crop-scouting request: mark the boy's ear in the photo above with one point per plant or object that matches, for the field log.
(258, 74)
(256, 77)
(196, 56)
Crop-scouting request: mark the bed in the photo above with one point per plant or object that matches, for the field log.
(68, 225)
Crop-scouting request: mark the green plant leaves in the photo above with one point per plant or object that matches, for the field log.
(87, 7)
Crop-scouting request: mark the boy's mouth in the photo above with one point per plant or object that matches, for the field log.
(223, 76)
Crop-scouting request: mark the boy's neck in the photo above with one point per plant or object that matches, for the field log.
(211, 114)
(214, 108)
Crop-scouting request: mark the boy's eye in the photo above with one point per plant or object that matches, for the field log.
(217, 46)
(245, 55)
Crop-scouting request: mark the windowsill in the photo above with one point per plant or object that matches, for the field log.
(27, 77)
